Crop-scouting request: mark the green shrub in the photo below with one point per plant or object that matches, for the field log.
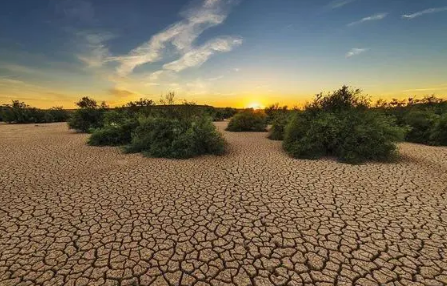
(274, 111)
(117, 130)
(438, 134)
(341, 125)
(175, 138)
(312, 136)
(221, 114)
(248, 120)
(421, 124)
(88, 116)
(372, 137)
(279, 124)
(57, 114)
(20, 112)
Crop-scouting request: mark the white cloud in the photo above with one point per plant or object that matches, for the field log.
(95, 52)
(375, 17)
(339, 3)
(198, 56)
(180, 35)
(355, 52)
(424, 12)
(216, 78)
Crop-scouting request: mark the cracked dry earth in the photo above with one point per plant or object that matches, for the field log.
(71, 214)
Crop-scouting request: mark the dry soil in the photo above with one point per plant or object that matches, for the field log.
(71, 214)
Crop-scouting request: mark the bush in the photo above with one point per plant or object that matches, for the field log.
(438, 134)
(279, 124)
(221, 114)
(20, 112)
(341, 125)
(88, 116)
(174, 138)
(372, 137)
(274, 111)
(57, 114)
(248, 120)
(421, 124)
(117, 130)
(312, 136)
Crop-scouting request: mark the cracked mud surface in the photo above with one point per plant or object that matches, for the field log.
(71, 214)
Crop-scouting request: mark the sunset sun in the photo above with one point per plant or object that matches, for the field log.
(255, 105)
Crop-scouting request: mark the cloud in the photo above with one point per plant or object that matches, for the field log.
(75, 11)
(424, 12)
(200, 55)
(121, 92)
(95, 52)
(440, 87)
(216, 78)
(355, 52)
(375, 17)
(180, 35)
(339, 3)
(18, 69)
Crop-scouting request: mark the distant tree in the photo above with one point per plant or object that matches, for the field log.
(169, 98)
(88, 116)
(87, 102)
(142, 102)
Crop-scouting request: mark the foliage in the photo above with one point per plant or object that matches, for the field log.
(279, 124)
(169, 137)
(339, 100)
(140, 104)
(88, 116)
(117, 130)
(438, 134)
(421, 124)
(20, 112)
(341, 125)
(57, 114)
(248, 120)
(220, 114)
(274, 111)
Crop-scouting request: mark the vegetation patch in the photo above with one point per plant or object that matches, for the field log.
(248, 120)
(341, 125)
(20, 112)
(279, 124)
(89, 116)
(176, 138)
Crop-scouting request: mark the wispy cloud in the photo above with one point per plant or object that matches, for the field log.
(375, 17)
(216, 78)
(95, 51)
(339, 3)
(424, 12)
(355, 52)
(198, 56)
(181, 36)
(440, 87)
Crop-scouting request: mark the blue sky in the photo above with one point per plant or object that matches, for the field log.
(219, 52)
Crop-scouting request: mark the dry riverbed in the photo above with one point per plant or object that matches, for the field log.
(71, 214)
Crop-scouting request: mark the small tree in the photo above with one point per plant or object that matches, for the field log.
(88, 116)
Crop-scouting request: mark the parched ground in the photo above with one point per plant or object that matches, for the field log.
(71, 214)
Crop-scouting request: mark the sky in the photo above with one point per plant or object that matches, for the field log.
(220, 52)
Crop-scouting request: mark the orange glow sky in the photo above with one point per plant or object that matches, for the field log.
(219, 52)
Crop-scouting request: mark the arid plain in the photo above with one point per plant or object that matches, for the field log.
(71, 214)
